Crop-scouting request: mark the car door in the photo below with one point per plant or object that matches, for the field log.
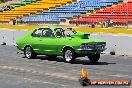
(61, 40)
(48, 41)
(35, 40)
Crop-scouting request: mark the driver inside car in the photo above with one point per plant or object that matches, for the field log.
(47, 33)
(60, 32)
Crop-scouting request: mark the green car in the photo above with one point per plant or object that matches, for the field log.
(63, 41)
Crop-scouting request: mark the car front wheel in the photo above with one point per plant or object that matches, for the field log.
(69, 55)
(29, 53)
(94, 57)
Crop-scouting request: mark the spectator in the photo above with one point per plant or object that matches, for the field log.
(21, 21)
(92, 25)
(101, 24)
(107, 23)
(81, 6)
(14, 21)
(76, 23)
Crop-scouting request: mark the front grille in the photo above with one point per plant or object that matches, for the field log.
(94, 46)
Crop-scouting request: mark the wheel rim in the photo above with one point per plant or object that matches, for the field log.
(68, 55)
(28, 52)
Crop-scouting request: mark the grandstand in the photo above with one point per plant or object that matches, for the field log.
(61, 14)
(77, 11)
(118, 14)
(22, 9)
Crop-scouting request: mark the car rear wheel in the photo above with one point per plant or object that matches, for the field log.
(69, 55)
(29, 53)
(94, 57)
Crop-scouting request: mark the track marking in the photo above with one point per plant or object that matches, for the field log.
(119, 75)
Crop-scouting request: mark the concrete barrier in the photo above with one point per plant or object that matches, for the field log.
(10, 36)
(120, 43)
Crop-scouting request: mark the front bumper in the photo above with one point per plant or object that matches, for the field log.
(101, 50)
(18, 47)
(84, 52)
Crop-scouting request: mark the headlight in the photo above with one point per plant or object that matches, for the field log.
(82, 46)
(103, 44)
(85, 47)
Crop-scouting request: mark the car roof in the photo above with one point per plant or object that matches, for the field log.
(53, 27)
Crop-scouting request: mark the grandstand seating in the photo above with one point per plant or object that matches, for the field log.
(61, 14)
(119, 14)
(27, 9)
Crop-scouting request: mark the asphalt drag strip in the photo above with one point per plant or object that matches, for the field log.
(19, 72)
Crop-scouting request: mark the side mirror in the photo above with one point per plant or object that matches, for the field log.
(68, 35)
(58, 36)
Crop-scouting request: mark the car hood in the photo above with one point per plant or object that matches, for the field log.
(91, 41)
(80, 35)
(84, 38)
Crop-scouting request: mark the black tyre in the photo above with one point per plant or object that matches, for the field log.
(94, 57)
(51, 56)
(69, 55)
(29, 53)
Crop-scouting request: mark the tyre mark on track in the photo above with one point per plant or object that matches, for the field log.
(35, 80)
(57, 75)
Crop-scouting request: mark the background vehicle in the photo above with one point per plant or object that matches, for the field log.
(5, 8)
(54, 41)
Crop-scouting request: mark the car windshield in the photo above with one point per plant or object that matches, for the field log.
(64, 32)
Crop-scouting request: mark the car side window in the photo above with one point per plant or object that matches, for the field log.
(37, 33)
(59, 32)
(47, 32)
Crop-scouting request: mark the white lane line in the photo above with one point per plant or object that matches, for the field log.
(4, 67)
(100, 73)
(119, 75)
